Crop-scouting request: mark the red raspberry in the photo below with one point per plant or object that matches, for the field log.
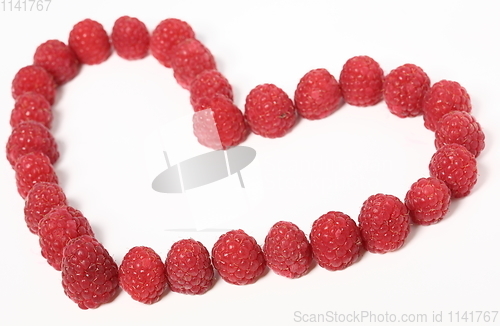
(31, 136)
(443, 97)
(229, 129)
(428, 201)
(189, 59)
(460, 127)
(130, 38)
(336, 241)
(362, 81)
(34, 79)
(166, 36)
(60, 225)
(58, 59)
(90, 42)
(41, 199)
(457, 167)
(189, 268)
(384, 222)
(238, 258)
(33, 168)
(317, 95)
(142, 275)
(287, 251)
(207, 84)
(405, 88)
(269, 111)
(89, 274)
(31, 106)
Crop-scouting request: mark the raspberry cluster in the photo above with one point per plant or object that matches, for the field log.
(91, 277)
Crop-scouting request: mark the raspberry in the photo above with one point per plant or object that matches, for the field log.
(41, 199)
(428, 201)
(31, 136)
(58, 59)
(34, 79)
(189, 268)
(269, 111)
(238, 258)
(130, 38)
(166, 36)
(189, 59)
(335, 241)
(384, 222)
(207, 84)
(457, 167)
(287, 251)
(459, 127)
(60, 225)
(317, 95)
(89, 274)
(405, 88)
(230, 128)
(31, 106)
(33, 168)
(90, 42)
(142, 275)
(362, 81)
(443, 97)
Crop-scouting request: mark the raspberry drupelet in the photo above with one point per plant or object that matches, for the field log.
(384, 222)
(189, 267)
(362, 81)
(336, 241)
(142, 275)
(287, 251)
(238, 258)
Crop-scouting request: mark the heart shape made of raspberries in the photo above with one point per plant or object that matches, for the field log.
(90, 275)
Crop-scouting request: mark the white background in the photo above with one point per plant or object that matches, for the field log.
(105, 117)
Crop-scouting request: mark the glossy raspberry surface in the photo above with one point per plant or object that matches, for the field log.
(384, 222)
(58, 59)
(238, 258)
(404, 90)
(89, 274)
(335, 241)
(230, 128)
(28, 137)
(443, 97)
(33, 168)
(90, 42)
(269, 111)
(41, 199)
(189, 267)
(459, 127)
(207, 84)
(34, 79)
(362, 81)
(31, 107)
(166, 35)
(317, 95)
(130, 38)
(457, 167)
(57, 228)
(428, 201)
(142, 275)
(287, 251)
(189, 59)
